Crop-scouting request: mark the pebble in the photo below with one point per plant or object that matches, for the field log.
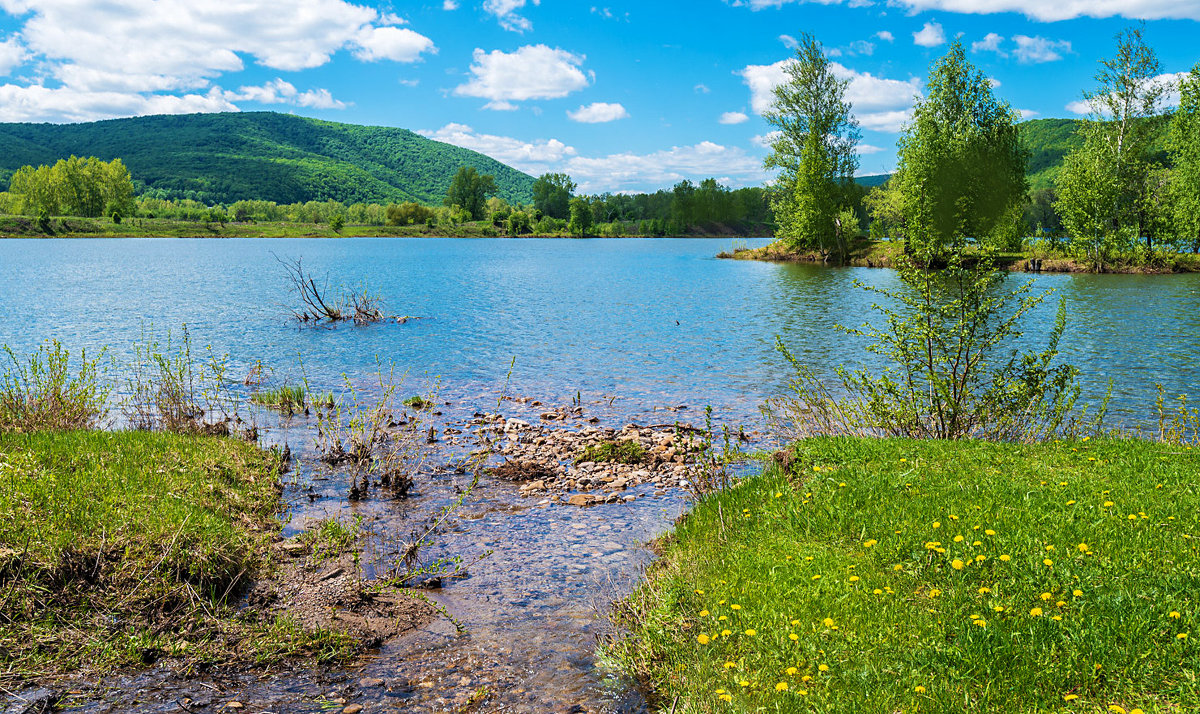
(352, 709)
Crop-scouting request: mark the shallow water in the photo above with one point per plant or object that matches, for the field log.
(628, 327)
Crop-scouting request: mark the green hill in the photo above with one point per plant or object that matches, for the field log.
(221, 158)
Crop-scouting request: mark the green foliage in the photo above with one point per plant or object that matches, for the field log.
(75, 187)
(470, 190)
(286, 399)
(1184, 144)
(43, 392)
(953, 369)
(581, 218)
(552, 195)
(1107, 189)
(225, 158)
(617, 452)
(408, 213)
(1075, 556)
(961, 172)
(814, 149)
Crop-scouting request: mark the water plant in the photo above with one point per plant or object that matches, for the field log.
(617, 452)
(44, 392)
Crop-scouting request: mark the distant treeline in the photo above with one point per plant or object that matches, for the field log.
(77, 187)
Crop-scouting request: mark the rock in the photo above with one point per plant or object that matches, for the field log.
(35, 701)
(535, 486)
(293, 548)
(352, 709)
(516, 425)
(370, 682)
(235, 705)
(330, 574)
(618, 484)
(579, 499)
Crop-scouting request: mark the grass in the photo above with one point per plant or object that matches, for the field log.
(617, 452)
(895, 575)
(117, 549)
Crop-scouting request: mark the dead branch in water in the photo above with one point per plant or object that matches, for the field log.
(321, 304)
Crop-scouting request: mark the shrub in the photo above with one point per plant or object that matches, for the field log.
(43, 392)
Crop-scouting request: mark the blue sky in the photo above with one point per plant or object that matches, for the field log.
(623, 96)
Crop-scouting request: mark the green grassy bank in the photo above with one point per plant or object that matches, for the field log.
(122, 548)
(903, 576)
(867, 253)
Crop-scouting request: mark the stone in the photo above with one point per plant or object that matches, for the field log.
(234, 705)
(352, 709)
(579, 499)
(370, 682)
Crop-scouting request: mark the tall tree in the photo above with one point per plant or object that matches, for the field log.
(961, 173)
(814, 150)
(1117, 142)
(552, 195)
(469, 190)
(581, 217)
(1184, 145)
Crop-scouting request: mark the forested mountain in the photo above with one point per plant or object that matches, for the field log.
(222, 158)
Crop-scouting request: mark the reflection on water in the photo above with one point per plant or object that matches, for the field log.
(653, 323)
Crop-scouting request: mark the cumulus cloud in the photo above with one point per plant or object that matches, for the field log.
(885, 36)
(449, 5)
(140, 49)
(1027, 114)
(598, 113)
(12, 55)
(615, 172)
(506, 13)
(868, 149)
(880, 104)
(1034, 9)
(931, 35)
(531, 72)
(789, 42)
(733, 118)
(1035, 50)
(281, 92)
(990, 43)
(1170, 97)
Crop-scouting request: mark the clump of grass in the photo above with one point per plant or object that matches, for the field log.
(885, 575)
(331, 537)
(286, 399)
(43, 391)
(616, 452)
(115, 546)
(417, 402)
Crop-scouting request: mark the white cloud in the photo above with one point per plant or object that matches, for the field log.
(867, 149)
(990, 43)
(66, 104)
(506, 13)
(885, 36)
(119, 57)
(398, 44)
(733, 118)
(533, 157)
(281, 92)
(1035, 9)
(449, 5)
(862, 47)
(880, 104)
(532, 72)
(931, 35)
(764, 140)
(1027, 114)
(789, 41)
(701, 89)
(598, 113)
(1035, 50)
(1170, 97)
(12, 55)
(993, 82)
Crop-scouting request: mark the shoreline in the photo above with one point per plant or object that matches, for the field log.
(884, 254)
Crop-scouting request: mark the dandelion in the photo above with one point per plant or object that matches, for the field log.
(726, 697)
(1046, 596)
(828, 622)
(744, 683)
(1174, 615)
(956, 564)
(1108, 504)
(1083, 547)
(919, 689)
(958, 539)
(1035, 612)
(1115, 709)
(1077, 593)
(981, 623)
(822, 668)
(751, 632)
(998, 608)
(980, 558)
(781, 687)
(703, 639)
(793, 637)
(976, 543)
(984, 590)
(806, 678)
(735, 607)
(1132, 517)
(1070, 503)
(816, 577)
(1136, 711)
(876, 591)
(730, 665)
(726, 633)
(937, 524)
(989, 532)
(699, 592)
(854, 578)
(1005, 558)
(791, 671)
(722, 618)
(869, 543)
(1070, 697)
(934, 592)
(1181, 636)
(1057, 618)
(897, 567)
(1047, 562)
(704, 613)
(1049, 548)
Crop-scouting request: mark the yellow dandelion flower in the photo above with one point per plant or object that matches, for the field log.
(1116, 709)
(1181, 636)
(984, 590)
(1077, 593)
(791, 671)
(876, 591)
(1005, 558)
(735, 607)
(722, 618)
(897, 567)
(958, 539)
(1049, 548)
(793, 623)
(1174, 615)
(726, 697)
(980, 558)
(822, 668)
(1083, 547)
(751, 632)
(699, 592)
(781, 687)
(1136, 711)
(976, 543)
(702, 639)
(1035, 612)
(934, 592)
(719, 691)
(816, 577)
(1057, 618)
(1108, 504)
(730, 665)
(1060, 603)
(956, 564)
(937, 524)
(793, 637)
(828, 622)
(1047, 562)
(1070, 503)
(704, 613)
(998, 608)
(989, 532)
(854, 578)
(1070, 697)
(726, 633)
(744, 683)
(869, 543)
(806, 678)
(981, 623)
(1046, 596)
(919, 689)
